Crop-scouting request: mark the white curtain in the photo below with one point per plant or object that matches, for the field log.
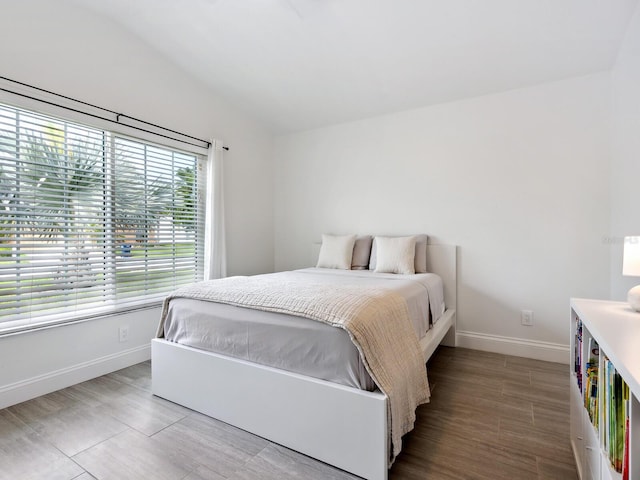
(215, 254)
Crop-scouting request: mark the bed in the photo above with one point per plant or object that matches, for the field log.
(340, 421)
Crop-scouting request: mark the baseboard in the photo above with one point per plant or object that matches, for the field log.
(50, 382)
(520, 347)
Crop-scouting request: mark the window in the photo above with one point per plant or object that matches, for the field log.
(90, 221)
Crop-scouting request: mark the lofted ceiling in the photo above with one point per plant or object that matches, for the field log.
(301, 64)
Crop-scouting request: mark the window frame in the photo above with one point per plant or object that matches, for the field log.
(111, 135)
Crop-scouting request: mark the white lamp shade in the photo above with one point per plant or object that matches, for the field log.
(631, 257)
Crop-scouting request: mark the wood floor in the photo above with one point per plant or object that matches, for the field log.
(491, 417)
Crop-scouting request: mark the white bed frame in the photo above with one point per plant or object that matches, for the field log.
(339, 425)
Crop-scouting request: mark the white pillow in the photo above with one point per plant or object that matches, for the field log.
(336, 251)
(396, 255)
(421, 253)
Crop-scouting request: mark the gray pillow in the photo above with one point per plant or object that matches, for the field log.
(361, 252)
(420, 258)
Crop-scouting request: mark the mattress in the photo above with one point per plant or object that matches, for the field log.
(294, 343)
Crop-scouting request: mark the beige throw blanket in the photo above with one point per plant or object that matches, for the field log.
(376, 319)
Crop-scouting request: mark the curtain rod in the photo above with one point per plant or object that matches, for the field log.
(118, 115)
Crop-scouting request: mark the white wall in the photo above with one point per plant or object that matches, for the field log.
(625, 178)
(519, 180)
(42, 361)
(60, 47)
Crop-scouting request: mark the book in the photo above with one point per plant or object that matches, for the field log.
(615, 417)
(591, 387)
(625, 458)
(578, 353)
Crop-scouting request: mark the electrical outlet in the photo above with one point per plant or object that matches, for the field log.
(124, 333)
(526, 318)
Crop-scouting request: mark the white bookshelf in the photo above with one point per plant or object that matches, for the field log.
(616, 329)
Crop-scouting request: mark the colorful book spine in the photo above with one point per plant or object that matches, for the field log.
(616, 418)
(625, 459)
(591, 387)
(578, 353)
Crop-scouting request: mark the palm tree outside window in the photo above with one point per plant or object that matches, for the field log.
(91, 220)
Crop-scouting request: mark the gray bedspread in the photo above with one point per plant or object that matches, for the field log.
(294, 343)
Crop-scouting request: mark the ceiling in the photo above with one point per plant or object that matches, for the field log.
(301, 64)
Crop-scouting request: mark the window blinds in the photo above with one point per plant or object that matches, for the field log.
(90, 221)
